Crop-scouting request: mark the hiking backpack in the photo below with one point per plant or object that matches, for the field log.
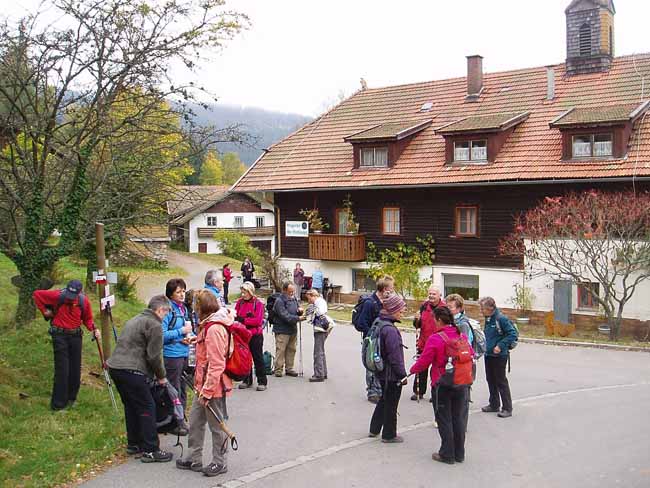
(371, 348)
(80, 303)
(458, 369)
(478, 338)
(239, 363)
(169, 409)
(356, 312)
(268, 362)
(514, 343)
(270, 302)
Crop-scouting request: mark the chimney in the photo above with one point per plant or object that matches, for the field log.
(550, 83)
(474, 76)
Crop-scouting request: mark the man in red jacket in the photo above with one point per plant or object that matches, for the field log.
(425, 321)
(66, 310)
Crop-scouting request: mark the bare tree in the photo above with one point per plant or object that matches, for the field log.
(591, 237)
(60, 87)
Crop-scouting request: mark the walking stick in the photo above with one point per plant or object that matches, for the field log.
(107, 377)
(110, 317)
(301, 372)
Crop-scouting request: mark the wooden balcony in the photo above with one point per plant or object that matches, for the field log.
(266, 231)
(335, 247)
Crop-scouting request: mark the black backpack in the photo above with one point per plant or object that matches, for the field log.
(270, 302)
(167, 416)
(80, 301)
(356, 312)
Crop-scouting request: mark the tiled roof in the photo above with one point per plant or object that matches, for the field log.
(316, 156)
(393, 130)
(186, 198)
(599, 115)
(478, 123)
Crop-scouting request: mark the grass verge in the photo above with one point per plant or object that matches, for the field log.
(40, 447)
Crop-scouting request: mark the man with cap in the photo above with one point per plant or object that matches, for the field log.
(66, 310)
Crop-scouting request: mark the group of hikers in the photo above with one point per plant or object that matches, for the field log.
(192, 339)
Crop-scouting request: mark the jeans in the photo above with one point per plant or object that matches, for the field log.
(285, 350)
(225, 292)
(139, 409)
(67, 369)
(451, 410)
(175, 368)
(199, 416)
(256, 346)
(320, 361)
(495, 373)
(384, 418)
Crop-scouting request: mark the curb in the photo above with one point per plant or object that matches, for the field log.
(552, 342)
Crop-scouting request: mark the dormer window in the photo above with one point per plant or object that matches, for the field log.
(374, 157)
(593, 146)
(471, 151)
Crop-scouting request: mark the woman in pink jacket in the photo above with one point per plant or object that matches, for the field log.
(212, 384)
(451, 405)
(250, 312)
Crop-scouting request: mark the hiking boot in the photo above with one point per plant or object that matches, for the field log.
(132, 449)
(316, 379)
(261, 387)
(374, 399)
(415, 398)
(504, 414)
(436, 457)
(243, 386)
(489, 409)
(398, 439)
(189, 465)
(292, 373)
(370, 434)
(158, 456)
(213, 469)
(278, 375)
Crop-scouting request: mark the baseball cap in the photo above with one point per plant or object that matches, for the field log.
(72, 289)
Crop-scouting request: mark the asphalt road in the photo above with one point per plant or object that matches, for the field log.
(580, 419)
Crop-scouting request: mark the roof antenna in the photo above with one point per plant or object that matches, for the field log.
(364, 84)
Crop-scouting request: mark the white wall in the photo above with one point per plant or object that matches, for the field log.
(226, 221)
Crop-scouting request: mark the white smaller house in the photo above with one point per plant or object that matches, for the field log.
(198, 212)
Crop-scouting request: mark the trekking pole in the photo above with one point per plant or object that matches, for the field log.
(109, 312)
(107, 377)
(301, 372)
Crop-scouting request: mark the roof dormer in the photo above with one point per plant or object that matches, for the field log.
(478, 139)
(381, 145)
(597, 133)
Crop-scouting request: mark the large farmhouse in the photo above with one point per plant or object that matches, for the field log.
(457, 159)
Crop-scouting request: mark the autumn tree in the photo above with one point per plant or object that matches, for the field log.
(211, 170)
(233, 168)
(590, 237)
(61, 86)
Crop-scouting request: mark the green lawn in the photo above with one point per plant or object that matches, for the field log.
(40, 447)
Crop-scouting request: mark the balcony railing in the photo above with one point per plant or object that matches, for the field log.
(266, 231)
(335, 247)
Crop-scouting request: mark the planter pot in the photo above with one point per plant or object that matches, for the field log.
(522, 320)
(317, 231)
(352, 233)
(604, 329)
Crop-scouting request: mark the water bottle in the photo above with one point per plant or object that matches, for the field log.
(191, 358)
(449, 367)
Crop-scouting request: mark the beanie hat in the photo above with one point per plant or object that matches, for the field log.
(393, 304)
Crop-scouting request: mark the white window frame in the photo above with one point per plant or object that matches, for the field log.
(259, 221)
(471, 151)
(213, 219)
(373, 157)
(592, 145)
(471, 224)
(238, 222)
(391, 226)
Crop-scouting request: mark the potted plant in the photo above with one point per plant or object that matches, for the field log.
(352, 227)
(523, 301)
(316, 224)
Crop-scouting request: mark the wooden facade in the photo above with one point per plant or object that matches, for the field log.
(430, 211)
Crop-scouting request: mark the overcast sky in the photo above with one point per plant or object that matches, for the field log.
(299, 55)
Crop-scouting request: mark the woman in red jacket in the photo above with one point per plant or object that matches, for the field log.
(451, 405)
(250, 312)
(227, 276)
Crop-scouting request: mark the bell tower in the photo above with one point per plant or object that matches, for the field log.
(589, 36)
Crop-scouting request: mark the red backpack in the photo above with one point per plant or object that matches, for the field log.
(457, 372)
(239, 363)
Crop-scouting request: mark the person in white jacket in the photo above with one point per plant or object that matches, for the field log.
(317, 314)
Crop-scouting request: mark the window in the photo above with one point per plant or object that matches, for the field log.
(465, 285)
(341, 221)
(212, 221)
(467, 221)
(259, 221)
(362, 282)
(374, 157)
(586, 301)
(585, 40)
(470, 150)
(391, 221)
(239, 221)
(592, 145)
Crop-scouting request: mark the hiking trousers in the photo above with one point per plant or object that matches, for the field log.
(320, 361)
(67, 369)
(256, 345)
(384, 418)
(285, 351)
(175, 368)
(451, 409)
(139, 408)
(199, 416)
(495, 373)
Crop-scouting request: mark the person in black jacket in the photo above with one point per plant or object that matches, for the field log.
(247, 270)
(286, 315)
(393, 376)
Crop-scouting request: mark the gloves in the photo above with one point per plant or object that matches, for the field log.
(239, 319)
(250, 315)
